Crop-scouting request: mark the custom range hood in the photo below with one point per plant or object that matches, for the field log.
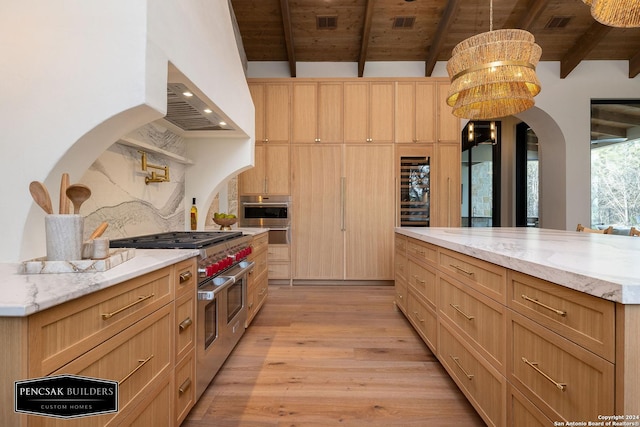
(187, 111)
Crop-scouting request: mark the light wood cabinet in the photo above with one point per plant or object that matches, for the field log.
(257, 283)
(524, 351)
(446, 191)
(343, 218)
(415, 113)
(136, 332)
(368, 211)
(317, 112)
(270, 174)
(448, 124)
(480, 382)
(272, 103)
(557, 375)
(317, 230)
(279, 262)
(368, 112)
(401, 272)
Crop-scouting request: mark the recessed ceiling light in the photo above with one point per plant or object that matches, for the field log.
(208, 110)
(187, 94)
(222, 123)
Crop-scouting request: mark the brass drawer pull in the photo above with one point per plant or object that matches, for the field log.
(534, 365)
(457, 308)
(106, 316)
(399, 296)
(418, 280)
(418, 317)
(185, 276)
(141, 363)
(184, 386)
(419, 252)
(462, 270)
(535, 301)
(456, 360)
(185, 324)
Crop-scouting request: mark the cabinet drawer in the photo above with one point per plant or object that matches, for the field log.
(401, 294)
(480, 382)
(479, 319)
(260, 266)
(279, 271)
(563, 379)
(186, 277)
(584, 319)
(154, 410)
(401, 265)
(522, 413)
(261, 289)
(139, 358)
(401, 243)
(184, 389)
(278, 253)
(64, 332)
(422, 251)
(260, 242)
(423, 280)
(185, 325)
(423, 319)
(485, 277)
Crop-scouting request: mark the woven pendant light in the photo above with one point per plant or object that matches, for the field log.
(493, 74)
(616, 13)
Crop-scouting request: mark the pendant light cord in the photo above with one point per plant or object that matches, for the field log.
(490, 15)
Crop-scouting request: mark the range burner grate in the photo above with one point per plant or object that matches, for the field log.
(175, 240)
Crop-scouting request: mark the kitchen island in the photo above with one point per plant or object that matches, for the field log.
(535, 326)
(134, 323)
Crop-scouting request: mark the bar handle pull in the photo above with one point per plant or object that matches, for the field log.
(140, 299)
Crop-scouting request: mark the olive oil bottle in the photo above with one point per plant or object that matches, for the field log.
(194, 215)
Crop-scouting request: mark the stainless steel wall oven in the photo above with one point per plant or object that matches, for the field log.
(272, 212)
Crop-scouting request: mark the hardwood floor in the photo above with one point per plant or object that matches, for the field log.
(325, 356)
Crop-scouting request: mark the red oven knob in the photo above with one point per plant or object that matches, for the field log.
(209, 270)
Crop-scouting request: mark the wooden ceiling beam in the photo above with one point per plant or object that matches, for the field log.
(288, 36)
(634, 65)
(630, 119)
(438, 40)
(536, 7)
(366, 31)
(583, 46)
(609, 130)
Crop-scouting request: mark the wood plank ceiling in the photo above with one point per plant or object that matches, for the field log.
(422, 30)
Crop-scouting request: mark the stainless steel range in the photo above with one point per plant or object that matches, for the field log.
(222, 291)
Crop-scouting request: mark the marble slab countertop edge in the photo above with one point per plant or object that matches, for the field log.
(25, 294)
(605, 266)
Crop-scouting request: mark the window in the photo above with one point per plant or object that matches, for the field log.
(615, 164)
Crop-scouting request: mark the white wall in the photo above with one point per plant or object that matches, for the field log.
(78, 75)
(560, 119)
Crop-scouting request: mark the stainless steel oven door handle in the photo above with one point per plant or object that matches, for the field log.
(284, 205)
(207, 292)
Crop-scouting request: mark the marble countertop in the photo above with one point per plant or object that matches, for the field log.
(25, 294)
(606, 266)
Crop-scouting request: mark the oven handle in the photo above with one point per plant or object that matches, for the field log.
(245, 267)
(207, 292)
(284, 205)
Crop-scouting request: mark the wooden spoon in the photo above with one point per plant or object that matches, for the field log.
(98, 231)
(64, 200)
(41, 196)
(78, 194)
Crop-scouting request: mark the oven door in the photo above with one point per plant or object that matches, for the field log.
(259, 211)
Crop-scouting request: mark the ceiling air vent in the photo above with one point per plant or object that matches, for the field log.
(404, 22)
(557, 22)
(326, 22)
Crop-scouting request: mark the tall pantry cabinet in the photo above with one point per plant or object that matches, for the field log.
(339, 141)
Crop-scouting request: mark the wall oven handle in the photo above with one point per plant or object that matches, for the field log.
(284, 205)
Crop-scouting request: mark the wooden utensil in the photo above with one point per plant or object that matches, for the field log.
(98, 231)
(41, 196)
(64, 200)
(78, 194)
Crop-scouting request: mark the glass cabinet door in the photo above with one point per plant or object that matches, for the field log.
(414, 191)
